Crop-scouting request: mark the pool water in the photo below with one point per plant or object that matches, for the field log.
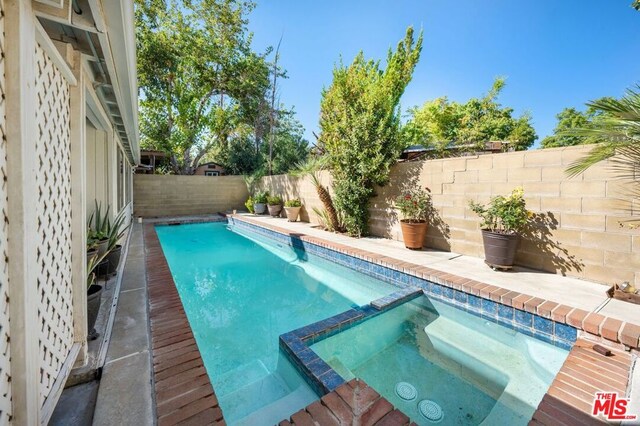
(475, 371)
(240, 293)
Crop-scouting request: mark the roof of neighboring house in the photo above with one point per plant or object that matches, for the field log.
(208, 163)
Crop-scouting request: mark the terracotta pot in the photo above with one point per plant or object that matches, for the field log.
(275, 210)
(94, 294)
(292, 213)
(413, 234)
(499, 249)
(259, 208)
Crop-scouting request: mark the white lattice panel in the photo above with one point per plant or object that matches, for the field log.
(5, 366)
(55, 314)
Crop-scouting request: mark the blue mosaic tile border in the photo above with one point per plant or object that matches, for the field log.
(318, 374)
(553, 332)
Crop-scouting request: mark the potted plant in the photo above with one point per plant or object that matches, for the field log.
(260, 202)
(292, 208)
(94, 294)
(97, 230)
(274, 204)
(414, 206)
(115, 231)
(502, 220)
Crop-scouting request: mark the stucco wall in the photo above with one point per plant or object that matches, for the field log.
(577, 230)
(159, 195)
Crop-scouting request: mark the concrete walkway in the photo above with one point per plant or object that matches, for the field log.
(125, 394)
(579, 293)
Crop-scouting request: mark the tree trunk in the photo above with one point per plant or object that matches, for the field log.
(327, 202)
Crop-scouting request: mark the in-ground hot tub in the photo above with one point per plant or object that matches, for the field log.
(438, 363)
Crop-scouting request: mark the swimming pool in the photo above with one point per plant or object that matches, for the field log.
(240, 293)
(477, 360)
(457, 368)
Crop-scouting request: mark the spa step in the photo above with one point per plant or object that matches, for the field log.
(239, 377)
(281, 408)
(254, 396)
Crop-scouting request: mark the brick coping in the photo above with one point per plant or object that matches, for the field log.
(596, 324)
(569, 400)
(183, 391)
(353, 403)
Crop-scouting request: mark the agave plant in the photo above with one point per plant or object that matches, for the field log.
(116, 230)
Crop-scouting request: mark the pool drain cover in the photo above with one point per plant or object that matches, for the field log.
(406, 391)
(430, 410)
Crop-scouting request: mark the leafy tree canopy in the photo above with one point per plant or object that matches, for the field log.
(203, 90)
(360, 124)
(441, 123)
(569, 119)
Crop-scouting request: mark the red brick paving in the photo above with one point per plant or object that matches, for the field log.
(184, 395)
(569, 400)
(353, 403)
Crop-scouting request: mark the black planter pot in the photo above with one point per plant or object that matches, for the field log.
(94, 293)
(102, 269)
(101, 246)
(499, 249)
(90, 254)
(113, 259)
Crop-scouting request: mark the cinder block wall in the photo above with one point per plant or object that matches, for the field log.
(160, 195)
(576, 231)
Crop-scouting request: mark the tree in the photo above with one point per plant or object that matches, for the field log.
(442, 124)
(617, 130)
(569, 119)
(360, 124)
(199, 79)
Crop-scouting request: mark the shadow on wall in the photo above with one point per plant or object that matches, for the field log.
(537, 240)
(385, 219)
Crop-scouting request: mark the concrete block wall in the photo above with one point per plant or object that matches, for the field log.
(160, 195)
(576, 229)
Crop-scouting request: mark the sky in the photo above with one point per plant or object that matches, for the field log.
(554, 53)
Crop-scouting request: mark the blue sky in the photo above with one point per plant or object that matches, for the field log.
(554, 53)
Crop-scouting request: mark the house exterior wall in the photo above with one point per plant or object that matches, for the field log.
(202, 169)
(172, 195)
(53, 163)
(580, 217)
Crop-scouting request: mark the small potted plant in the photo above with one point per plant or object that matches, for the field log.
(502, 220)
(260, 202)
(97, 230)
(115, 231)
(414, 206)
(292, 208)
(274, 204)
(94, 294)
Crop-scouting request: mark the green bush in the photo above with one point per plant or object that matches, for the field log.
(261, 197)
(506, 215)
(414, 204)
(360, 125)
(274, 200)
(293, 203)
(249, 204)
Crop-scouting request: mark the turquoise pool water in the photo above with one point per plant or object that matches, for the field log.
(240, 292)
(476, 371)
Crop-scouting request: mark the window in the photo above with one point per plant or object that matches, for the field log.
(211, 173)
